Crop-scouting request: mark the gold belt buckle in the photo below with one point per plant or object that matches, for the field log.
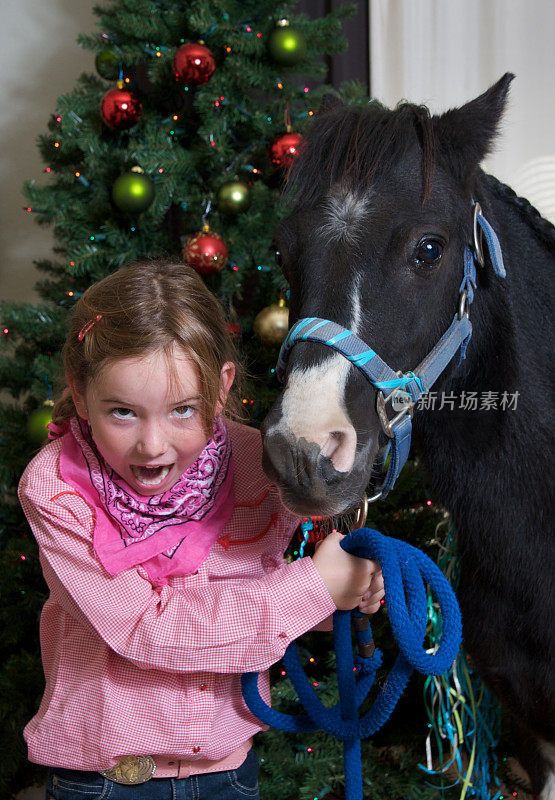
(131, 770)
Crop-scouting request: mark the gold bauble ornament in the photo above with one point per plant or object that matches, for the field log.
(272, 323)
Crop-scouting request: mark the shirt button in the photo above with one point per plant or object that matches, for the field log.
(203, 687)
(196, 748)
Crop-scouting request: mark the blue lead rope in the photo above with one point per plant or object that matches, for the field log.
(406, 571)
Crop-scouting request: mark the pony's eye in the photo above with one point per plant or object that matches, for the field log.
(428, 252)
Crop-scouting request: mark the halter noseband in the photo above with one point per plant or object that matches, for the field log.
(401, 391)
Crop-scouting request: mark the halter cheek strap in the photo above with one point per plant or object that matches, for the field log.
(398, 393)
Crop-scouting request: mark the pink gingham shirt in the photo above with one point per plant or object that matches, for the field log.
(137, 669)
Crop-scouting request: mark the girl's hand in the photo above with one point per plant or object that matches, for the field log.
(371, 600)
(348, 578)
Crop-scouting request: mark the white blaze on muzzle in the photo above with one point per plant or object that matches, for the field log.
(313, 408)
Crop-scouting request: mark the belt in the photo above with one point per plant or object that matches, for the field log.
(132, 770)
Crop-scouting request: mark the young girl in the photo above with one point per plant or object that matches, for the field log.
(162, 543)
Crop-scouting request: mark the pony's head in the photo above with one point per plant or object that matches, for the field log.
(382, 214)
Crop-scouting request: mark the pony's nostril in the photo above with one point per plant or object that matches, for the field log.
(334, 441)
(340, 449)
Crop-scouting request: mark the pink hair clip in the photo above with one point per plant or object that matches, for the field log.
(87, 326)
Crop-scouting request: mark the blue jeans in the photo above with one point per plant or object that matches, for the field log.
(234, 784)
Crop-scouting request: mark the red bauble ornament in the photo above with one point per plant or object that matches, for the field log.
(120, 109)
(193, 64)
(283, 149)
(205, 251)
(233, 329)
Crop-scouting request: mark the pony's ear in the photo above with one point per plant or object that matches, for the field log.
(329, 102)
(464, 135)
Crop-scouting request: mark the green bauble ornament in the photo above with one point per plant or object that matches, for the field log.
(233, 197)
(287, 45)
(37, 422)
(133, 191)
(107, 65)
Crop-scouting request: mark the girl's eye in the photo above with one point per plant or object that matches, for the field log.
(122, 413)
(428, 252)
(184, 411)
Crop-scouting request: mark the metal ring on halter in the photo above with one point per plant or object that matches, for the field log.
(463, 305)
(361, 513)
(478, 237)
(386, 423)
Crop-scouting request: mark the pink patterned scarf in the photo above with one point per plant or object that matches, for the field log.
(168, 534)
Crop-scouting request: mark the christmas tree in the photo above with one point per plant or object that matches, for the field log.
(178, 147)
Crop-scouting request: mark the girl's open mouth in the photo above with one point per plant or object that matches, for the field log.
(151, 476)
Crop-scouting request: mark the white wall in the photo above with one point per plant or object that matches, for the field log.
(39, 60)
(445, 52)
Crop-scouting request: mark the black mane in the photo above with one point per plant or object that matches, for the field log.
(542, 227)
(348, 145)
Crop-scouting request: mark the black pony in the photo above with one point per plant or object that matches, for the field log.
(383, 213)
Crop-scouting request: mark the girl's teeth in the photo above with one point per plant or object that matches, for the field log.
(150, 476)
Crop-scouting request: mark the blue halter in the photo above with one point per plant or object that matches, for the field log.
(402, 391)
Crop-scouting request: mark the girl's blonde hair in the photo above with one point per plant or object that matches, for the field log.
(146, 307)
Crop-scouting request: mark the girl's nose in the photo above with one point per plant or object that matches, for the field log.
(152, 441)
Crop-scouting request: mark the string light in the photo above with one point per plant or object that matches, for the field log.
(161, 170)
(56, 144)
(5, 331)
(280, 85)
(306, 89)
(227, 48)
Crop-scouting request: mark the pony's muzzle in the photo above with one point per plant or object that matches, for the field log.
(310, 474)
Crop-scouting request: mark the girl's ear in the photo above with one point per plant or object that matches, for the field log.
(227, 376)
(78, 397)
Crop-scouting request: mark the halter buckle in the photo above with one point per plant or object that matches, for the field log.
(478, 236)
(397, 396)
